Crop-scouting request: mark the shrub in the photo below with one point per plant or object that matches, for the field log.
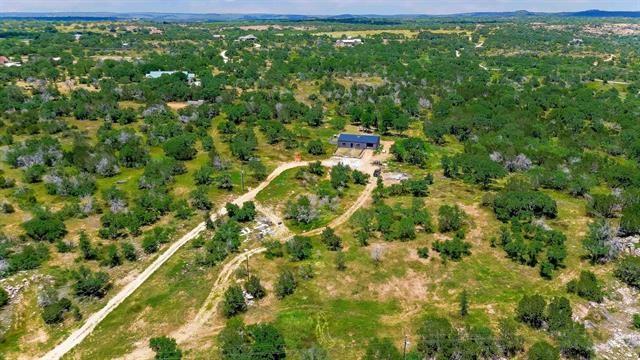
(301, 210)
(509, 341)
(91, 284)
(274, 249)
(299, 248)
(331, 240)
(112, 256)
(574, 342)
(636, 321)
(450, 218)
(597, 241)
(233, 302)
(129, 252)
(315, 147)
(359, 177)
(602, 205)
(437, 338)
(29, 258)
(87, 250)
(165, 348)
(531, 310)
(542, 350)
(254, 287)
(510, 204)
(423, 252)
(628, 271)
(630, 221)
(410, 150)
(203, 176)
(200, 198)
(559, 314)
(180, 147)
(54, 313)
(45, 226)
(454, 249)
(4, 297)
(285, 284)
(586, 286)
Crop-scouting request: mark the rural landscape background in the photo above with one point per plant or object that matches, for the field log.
(206, 184)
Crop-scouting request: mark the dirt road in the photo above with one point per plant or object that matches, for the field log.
(210, 306)
(92, 321)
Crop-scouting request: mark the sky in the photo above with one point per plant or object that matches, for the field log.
(313, 7)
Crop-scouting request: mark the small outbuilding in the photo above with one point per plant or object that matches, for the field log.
(358, 141)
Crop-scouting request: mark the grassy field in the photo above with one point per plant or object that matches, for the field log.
(166, 301)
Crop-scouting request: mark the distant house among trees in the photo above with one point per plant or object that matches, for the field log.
(191, 77)
(249, 37)
(349, 42)
(358, 141)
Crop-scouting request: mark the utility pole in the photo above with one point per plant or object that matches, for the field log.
(404, 350)
(242, 178)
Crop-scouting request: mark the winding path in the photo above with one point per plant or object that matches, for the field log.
(210, 306)
(92, 321)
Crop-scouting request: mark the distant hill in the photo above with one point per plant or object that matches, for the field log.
(185, 17)
(602, 13)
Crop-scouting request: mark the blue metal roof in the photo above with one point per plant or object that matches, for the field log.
(359, 138)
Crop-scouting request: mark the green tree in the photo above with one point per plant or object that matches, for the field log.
(340, 175)
(574, 342)
(330, 239)
(531, 310)
(450, 218)
(559, 314)
(87, 250)
(233, 302)
(299, 248)
(586, 286)
(45, 226)
(285, 284)
(129, 251)
(254, 287)
(91, 284)
(180, 147)
(165, 348)
(315, 147)
(596, 241)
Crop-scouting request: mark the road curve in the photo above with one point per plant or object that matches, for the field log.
(210, 305)
(92, 321)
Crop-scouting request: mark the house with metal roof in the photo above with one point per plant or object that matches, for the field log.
(249, 37)
(358, 141)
